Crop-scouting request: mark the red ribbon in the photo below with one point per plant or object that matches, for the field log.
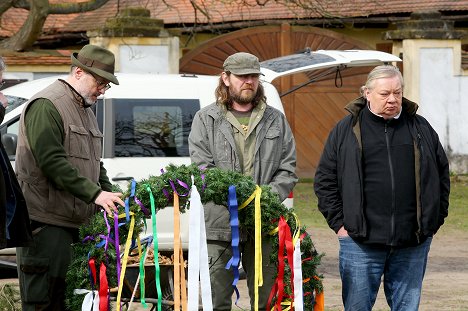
(103, 284)
(92, 266)
(103, 289)
(285, 241)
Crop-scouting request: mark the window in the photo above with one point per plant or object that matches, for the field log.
(9, 130)
(152, 127)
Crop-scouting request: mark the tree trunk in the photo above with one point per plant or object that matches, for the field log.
(38, 12)
(31, 29)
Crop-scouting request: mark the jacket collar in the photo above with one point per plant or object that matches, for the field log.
(78, 98)
(217, 111)
(356, 106)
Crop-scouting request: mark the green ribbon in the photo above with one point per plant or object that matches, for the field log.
(156, 250)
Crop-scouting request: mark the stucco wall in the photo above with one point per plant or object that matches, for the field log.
(443, 96)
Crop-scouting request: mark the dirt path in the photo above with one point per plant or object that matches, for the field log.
(445, 285)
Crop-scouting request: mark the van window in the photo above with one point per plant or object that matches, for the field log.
(152, 127)
(14, 101)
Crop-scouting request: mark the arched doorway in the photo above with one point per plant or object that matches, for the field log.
(312, 110)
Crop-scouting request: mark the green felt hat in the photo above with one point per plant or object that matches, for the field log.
(96, 60)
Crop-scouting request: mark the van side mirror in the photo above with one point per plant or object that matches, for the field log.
(10, 141)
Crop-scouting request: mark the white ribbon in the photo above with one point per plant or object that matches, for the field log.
(198, 268)
(88, 302)
(298, 296)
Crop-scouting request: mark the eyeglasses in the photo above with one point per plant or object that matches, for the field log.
(100, 84)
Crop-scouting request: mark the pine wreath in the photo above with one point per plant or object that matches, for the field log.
(213, 184)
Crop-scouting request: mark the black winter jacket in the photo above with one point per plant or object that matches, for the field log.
(339, 175)
(19, 228)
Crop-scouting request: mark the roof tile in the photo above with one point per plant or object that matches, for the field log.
(182, 12)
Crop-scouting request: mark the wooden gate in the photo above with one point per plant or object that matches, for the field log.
(312, 110)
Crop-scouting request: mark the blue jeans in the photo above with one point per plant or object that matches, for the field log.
(362, 267)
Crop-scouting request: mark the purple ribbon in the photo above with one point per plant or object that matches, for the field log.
(143, 208)
(117, 249)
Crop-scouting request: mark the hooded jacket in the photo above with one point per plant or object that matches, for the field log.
(339, 175)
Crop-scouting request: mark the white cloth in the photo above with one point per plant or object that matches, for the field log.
(298, 295)
(198, 269)
(88, 303)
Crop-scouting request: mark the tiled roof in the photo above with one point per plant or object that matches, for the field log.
(55, 57)
(182, 12)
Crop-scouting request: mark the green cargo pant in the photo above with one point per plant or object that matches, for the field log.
(43, 266)
(219, 253)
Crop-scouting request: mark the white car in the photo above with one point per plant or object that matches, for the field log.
(146, 119)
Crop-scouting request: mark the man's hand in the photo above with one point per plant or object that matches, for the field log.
(342, 232)
(108, 200)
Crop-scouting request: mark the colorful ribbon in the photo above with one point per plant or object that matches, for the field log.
(235, 238)
(90, 301)
(258, 276)
(103, 285)
(121, 275)
(198, 268)
(156, 249)
(285, 243)
(103, 289)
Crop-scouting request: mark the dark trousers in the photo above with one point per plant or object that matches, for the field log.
(219, 253)
(42, 268)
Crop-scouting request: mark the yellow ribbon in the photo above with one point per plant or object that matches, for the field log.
(258, 246)
(289, 304)
(250, 199)
(297, 231)
(258, 277)
(124, 261)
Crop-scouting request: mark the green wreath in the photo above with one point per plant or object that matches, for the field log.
(213, 184)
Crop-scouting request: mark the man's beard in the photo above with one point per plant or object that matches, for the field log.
(88, 100)
(241, 99)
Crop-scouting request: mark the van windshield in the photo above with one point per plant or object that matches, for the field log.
(152, 127)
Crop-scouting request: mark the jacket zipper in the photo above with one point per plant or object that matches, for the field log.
(418, 201)
(392, 181)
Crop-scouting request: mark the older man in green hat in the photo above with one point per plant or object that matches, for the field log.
(59, 169)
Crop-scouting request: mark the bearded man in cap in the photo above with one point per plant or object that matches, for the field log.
(59, 169)
(241, 133)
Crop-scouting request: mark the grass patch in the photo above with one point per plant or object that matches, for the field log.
(305, 204)
(10, 297)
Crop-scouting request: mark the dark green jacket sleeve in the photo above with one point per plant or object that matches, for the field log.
(104, 181)
(44, 129)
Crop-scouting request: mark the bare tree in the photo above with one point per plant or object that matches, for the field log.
(203, 11)
(38, 12)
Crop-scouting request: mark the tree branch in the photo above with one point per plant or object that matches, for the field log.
(77, 7)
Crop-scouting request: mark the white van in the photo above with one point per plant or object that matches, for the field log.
(146, 119)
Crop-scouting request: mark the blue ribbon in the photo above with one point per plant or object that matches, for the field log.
(127, 200)
(235, 236)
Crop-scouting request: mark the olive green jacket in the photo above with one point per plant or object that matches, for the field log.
(212, 144)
